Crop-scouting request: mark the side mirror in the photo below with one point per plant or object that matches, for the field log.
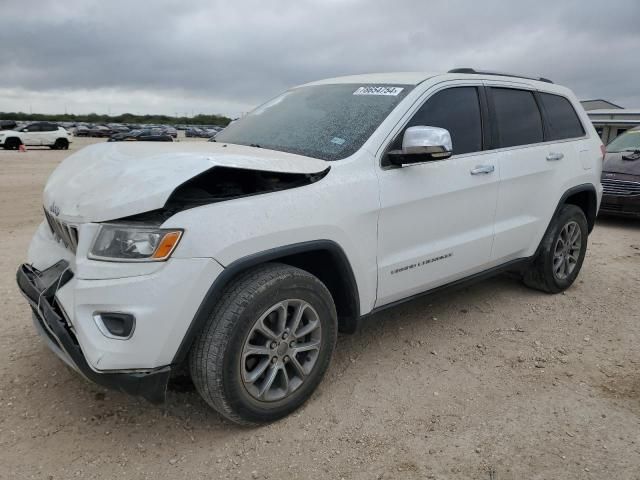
(422, 144)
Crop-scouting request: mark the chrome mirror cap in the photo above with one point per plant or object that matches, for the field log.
(430, 140)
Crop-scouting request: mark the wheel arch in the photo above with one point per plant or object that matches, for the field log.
(323, 258)
(585, 197)
(12, 139)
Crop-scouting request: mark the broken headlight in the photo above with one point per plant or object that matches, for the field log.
(123, 243)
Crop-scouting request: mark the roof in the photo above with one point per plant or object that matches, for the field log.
(598, 101)
(398, 78)
(414, 78)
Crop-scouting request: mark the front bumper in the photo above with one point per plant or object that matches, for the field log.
(40, 288)
(621, 205)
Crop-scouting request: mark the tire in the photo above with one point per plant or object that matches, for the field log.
(559, 257)
(61, 144)
(235, 328)
(12, 143)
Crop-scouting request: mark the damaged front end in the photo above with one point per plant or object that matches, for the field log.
(220, 184)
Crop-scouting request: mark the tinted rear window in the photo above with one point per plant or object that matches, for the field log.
(562, 119)
(518, 119)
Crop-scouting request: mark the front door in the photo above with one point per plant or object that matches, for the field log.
(31, 135)
(436, 222)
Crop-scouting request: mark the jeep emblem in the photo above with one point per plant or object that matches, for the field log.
(53, 208)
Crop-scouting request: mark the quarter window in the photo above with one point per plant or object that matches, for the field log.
(47, 127)
(562, 119)
(456, 109)
(517, 117)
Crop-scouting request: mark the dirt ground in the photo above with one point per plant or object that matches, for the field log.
(492, 382)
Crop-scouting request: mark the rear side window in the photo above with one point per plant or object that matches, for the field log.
(562, 119)
(458, 110)
(517, 117)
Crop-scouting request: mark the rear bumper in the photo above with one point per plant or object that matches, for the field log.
(39, 288)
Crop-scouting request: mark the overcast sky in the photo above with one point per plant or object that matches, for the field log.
(207, 56)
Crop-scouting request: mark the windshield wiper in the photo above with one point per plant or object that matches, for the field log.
(634, 150)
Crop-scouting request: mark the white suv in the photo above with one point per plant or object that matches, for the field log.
(36, 134)
(337, 199)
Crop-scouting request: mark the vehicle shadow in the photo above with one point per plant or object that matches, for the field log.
(375, 333)
(618, 222)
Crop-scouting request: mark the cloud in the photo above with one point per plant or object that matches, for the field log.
(220, 56)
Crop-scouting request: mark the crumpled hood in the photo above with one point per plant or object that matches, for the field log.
(107, 181)
(614, 163)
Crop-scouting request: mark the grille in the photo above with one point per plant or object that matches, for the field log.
(63, 232)
(620, 187)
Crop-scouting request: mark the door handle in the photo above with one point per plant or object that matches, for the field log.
(554, 157)
(482, 170)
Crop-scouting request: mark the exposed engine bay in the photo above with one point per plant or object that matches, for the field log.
(225, 183)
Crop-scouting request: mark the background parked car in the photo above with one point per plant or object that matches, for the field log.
(192, 132)
(8, 125)
(101, 131)
(81, 131)
(143, 135)
(116, 128)
(621, 176)
(36, 134)
(171, 131)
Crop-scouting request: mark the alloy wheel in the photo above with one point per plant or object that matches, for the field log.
(281, 350)
(567, 250)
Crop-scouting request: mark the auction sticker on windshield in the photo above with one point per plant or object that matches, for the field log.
(378, 90)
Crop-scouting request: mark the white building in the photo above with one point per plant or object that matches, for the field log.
(610, 119)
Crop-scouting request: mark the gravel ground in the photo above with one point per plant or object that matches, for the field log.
(491, 382)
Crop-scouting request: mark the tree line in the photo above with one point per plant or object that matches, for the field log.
(201, 119)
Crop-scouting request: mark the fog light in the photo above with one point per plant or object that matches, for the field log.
(119, 326)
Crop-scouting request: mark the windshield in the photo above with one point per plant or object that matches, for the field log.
(627, 141)
(329, 122)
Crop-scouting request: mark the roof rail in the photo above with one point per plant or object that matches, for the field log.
(484, 72)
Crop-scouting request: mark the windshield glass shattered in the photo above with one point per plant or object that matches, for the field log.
(329, 122)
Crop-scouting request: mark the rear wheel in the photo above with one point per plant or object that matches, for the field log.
(266, 346)
(12, 143)
(61, 144)
(561, 252)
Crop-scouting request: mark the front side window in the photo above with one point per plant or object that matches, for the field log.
(562, 119)
(517, 117)
(455, 109)
(329, 122)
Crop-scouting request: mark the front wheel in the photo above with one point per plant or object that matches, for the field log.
(12, 143)
(561, 252)
(266, 346)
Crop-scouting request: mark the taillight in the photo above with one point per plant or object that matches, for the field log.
(603, 149)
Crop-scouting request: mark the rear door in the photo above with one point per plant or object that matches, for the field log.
(535, 160)
(436, 218)
(48, 133)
